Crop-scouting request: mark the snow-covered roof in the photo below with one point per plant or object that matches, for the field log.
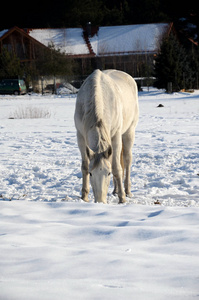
(2, 32)
(128, 38)
(68, 40)
(108, 40)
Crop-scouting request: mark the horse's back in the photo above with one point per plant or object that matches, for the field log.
(121, 77)
(118, 92)
(128, 95)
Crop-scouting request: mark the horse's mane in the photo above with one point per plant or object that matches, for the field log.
(94, 111)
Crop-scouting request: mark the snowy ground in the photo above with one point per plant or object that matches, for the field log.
(54, 246)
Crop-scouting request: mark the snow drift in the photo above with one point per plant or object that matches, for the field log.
(54, 246)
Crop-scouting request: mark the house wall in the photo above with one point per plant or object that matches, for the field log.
(137, 65)
(22, 46)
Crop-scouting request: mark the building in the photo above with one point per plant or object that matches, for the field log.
(19, 41)
(130, 48)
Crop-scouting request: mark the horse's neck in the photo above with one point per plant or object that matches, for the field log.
(99, 138)
(95, 118)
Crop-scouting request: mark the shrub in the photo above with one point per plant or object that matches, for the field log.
(30, 112)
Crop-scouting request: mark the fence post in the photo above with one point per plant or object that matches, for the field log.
(55, 92)
(184, 80)
(42, 85)
(169, 87)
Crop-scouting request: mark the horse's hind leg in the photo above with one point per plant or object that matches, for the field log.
(115, 191)
(128, 140)
(85, 165)
(117, 168)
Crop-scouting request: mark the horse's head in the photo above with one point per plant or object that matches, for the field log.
(100, 171)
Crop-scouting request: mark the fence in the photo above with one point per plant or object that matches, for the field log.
(56, 85)
(71, 84)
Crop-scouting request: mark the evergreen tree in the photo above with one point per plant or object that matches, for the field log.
(171, 64)
(72, 13)
(192, 76)
(147, 11)
(54, 62)
(9, 65)
(81, 12)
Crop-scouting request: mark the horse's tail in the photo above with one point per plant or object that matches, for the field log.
(122, 161)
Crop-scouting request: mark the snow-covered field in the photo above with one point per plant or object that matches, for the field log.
(54, 246)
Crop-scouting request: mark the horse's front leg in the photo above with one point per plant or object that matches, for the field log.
(115, 190)
(85, 183)
(117, 168)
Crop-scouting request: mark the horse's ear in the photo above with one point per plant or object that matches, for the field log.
(108, 152)
(90, 153)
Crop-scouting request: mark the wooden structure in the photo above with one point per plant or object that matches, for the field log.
(127, 48)
(25, 47)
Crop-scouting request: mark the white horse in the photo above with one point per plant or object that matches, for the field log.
(106, 115)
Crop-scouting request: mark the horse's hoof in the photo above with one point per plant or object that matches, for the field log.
(129, 195)
(115, 193)
(85, 199)
(122, 201)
